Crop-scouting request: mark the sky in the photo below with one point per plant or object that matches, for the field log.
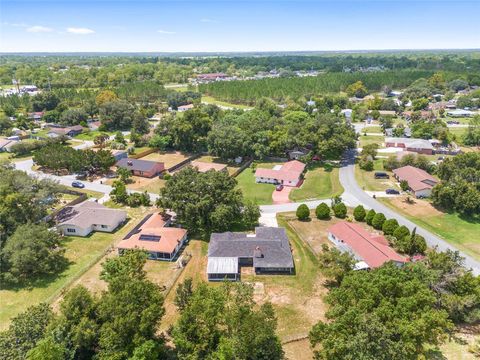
(236, 25)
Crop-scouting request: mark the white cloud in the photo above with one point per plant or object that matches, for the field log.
(166, 32)
(38, 29)
(207, 20)
(80, 31)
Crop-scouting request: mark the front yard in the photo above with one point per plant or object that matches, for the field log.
(259, 193)
(82, 253)
(319, 183)
(459, 231)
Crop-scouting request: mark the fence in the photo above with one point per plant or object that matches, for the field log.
(243, 167)
(183, 163)
(143, 153)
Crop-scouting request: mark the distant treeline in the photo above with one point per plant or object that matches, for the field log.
(281, 88)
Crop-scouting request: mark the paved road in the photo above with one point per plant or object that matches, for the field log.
(347, 179)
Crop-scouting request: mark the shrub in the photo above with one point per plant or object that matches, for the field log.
(322, 212)
(366, 164)
(404, 185)
(390, 226)
(303, 213)
(340, 210)
(401, 232)
(359, 213)
(369, 217)
(411, 245)
(378, 220)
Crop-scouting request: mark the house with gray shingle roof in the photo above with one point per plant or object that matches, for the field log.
(267, 251)
(83, 218)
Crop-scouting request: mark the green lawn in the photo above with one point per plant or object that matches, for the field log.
(211, 100)
(82, 254)
(259, 193)
(370, 139)
(90, 135)
(461, 232)
(372, 129)
(366, 179)
(319, 183)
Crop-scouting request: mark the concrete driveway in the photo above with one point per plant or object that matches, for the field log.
(281, 197)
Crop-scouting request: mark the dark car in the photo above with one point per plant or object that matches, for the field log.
(381, 175)
(78, 184)
(279, 187)
(392, 192)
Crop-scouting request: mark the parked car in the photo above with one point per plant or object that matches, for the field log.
(81, 176)
(279, 187)
(381, 175)
(78, 184)
(392, 192)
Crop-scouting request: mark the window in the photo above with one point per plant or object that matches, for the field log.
(103, 226)
(71, 230)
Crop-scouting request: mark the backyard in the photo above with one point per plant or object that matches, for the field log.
(169, 158)
(82, 253)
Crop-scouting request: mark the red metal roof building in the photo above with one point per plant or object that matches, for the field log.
(370, 249)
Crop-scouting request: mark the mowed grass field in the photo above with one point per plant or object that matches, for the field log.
(261, 194)
(461, 232)
(82, 253)
(366, 179)
(319, 183)
(370, 139)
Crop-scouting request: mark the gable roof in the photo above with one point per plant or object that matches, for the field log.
(417, 179)
(371, 248)
(88, 213)
(289, 171)
(139, 165)
(269, 247)
(151, 234)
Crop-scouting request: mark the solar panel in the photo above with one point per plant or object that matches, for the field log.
(149, 237)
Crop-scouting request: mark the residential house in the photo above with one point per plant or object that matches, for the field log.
(94, 125)
(154, 235)
(211, 77)
(203, 167)
(267, 251)
(36, 116)
(296, 154)
(419, 181)
(369, 250)
(420, 146)
(460, 113)
(144, 168)
(289, 174)
(183, 108)
(70, 131)
(6, 144)
(88, 216)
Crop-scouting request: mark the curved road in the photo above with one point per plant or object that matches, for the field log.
(354, 196)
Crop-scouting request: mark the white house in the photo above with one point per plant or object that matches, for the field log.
(88, 216)
(288, 174)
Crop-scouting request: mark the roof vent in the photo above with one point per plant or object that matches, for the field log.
(129, 163)
(257, 253)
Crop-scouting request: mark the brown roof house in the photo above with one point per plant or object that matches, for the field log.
(154, 235)
(419, 181)
(144, 168)
(288, 174)
(68, 131)
(88, 216)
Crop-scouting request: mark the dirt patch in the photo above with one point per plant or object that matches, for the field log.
(152, 185)
(298, 350)
(416, 207)
(169, 158)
